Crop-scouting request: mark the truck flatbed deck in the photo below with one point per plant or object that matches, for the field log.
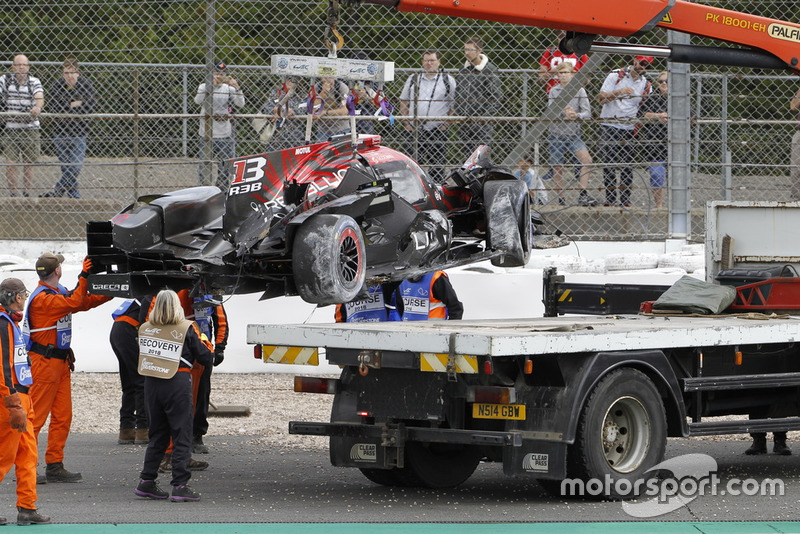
(550, 335)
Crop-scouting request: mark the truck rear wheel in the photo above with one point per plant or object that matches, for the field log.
(384, 477)
(437, 465)
(622, 433)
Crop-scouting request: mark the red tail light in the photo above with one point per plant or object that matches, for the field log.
(492, 395)
(310, 384)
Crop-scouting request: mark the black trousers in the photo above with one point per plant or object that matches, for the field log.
(200, 422)
(616, 151)
(132, 413)
(169, 408)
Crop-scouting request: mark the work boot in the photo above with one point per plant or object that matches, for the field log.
(126, 436)
(141, 436)
(41, 479)
(196, 465)
(759, 445)
(150, 489)
(56, 473)
(3, 520)
(780, 446)
(28, 516)
(198, 447)
(184, 493)
(166, 464)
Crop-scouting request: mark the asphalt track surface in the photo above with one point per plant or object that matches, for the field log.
(249, 488)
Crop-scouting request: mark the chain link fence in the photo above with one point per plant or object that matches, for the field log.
(146, 60)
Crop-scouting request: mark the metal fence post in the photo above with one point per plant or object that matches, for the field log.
(723, 137)
(679, 149)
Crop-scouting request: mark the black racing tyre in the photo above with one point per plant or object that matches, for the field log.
(329, 259)
(622, 433)
(437, 465)
(508, 221)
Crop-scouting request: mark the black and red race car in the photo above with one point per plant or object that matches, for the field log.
(322, 221)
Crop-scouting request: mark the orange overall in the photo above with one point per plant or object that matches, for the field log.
(16, 448)
(51, 391)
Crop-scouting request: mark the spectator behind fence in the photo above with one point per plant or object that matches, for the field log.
(552, 58)
(653, 136)
(330, 108)
(794, 105)
(72, 93)
(527, 174)
(21, 93)
(282, 107)
(430, 93)
(479, 95)
(226, 94)
(565, 136)
(620, 97)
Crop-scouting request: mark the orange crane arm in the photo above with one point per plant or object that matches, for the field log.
(771, 43)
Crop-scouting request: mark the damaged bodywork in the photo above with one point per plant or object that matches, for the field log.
(322, 221)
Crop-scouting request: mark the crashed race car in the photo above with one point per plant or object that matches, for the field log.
(323, 221)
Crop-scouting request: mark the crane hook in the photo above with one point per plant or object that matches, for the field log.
(333, 39)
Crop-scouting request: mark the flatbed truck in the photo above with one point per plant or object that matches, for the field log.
(422, 403)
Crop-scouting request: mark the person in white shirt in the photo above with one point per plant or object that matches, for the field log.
(21, 93)
(226, 94)
(621, 96)
(428, 94)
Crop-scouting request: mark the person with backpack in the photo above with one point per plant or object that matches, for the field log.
(621, 95)
(430, 93)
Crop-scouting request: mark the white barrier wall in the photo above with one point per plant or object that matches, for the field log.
(487, 293)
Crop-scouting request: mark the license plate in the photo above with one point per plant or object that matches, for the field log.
(498, 411)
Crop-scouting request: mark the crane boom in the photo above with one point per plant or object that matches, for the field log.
(766, 39)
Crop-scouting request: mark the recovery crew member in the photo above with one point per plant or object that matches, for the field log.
(17, 440)
(169, 346)
(430, 296)
(48, 331)
(374, 308)
(132, 416)
(213, 322)
(218, 320)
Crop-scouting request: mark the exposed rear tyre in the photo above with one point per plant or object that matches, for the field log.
(329, 260)
(437, 465)
(622, 432)
(508, 221)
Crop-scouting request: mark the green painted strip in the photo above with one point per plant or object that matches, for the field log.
(632, 527)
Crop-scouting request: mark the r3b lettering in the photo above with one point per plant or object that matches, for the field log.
(245, 188)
